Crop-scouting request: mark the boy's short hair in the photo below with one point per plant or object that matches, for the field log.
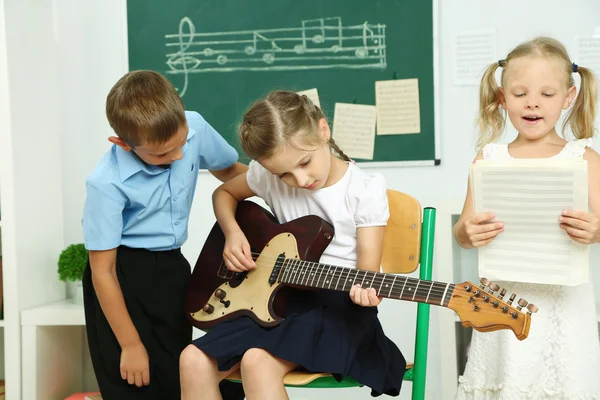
(143, 107)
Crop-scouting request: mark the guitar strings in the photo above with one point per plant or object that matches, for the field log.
(380, 275)
(379, 278)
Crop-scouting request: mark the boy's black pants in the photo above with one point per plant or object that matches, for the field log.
(153, 285)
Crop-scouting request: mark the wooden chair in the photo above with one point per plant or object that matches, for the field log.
(408, 243)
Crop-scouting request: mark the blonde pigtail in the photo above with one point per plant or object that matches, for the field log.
(581, 117)
(490, 119)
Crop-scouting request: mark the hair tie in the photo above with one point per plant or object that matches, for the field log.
(502, 63)
(575, 67)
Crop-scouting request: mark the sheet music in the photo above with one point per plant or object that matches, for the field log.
(398, 109)
(313, 95)
(588, 52)
(354, 129)
(528, 196)
(473, 52)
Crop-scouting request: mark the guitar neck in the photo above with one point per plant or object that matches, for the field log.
(323, 276)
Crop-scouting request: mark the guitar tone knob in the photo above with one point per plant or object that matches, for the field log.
(220, 293)
(532, 308)
(208, 308)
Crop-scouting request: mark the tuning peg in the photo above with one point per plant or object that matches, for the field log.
(494, 286)
(502, 293)
(512, 297)
(484, 282)
(532, 308)
(522, 303)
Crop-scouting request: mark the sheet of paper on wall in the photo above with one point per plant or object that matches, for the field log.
(398, 109)
(354, 129)
(528, 196)
(473, 52)
(588, 52)
(313, 95)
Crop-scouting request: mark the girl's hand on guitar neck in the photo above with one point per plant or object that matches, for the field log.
(364, 297)
(237, 254)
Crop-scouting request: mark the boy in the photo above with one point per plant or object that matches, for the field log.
(135, 220)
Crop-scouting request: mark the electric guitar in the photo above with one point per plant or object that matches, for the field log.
(286, 257)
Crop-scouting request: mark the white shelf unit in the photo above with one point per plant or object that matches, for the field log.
(46, 332)
(30, 171)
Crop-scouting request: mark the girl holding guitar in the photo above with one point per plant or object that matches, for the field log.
(296, 173)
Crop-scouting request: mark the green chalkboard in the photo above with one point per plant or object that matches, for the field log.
(222, 55)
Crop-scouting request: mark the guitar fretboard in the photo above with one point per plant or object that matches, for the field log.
(323, 276)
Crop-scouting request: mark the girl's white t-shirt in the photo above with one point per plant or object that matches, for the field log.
(357, 200)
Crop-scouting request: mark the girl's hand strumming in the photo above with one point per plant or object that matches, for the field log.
(236, 254)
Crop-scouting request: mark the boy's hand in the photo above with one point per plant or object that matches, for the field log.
(582, 227)
(364, 297)
(135, 365)
(237, 254)
(480, 230)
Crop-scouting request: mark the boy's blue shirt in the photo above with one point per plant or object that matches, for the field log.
(138, 205)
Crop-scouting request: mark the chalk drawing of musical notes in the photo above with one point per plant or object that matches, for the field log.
(321, 43)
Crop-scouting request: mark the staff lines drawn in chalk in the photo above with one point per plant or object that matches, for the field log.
(322, 43)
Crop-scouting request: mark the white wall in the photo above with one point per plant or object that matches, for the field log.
(91, 36)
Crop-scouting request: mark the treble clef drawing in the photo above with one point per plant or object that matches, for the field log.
(179, 61)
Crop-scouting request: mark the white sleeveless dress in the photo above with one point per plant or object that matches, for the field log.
(560, 359)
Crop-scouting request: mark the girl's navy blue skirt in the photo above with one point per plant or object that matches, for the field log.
(324, 331)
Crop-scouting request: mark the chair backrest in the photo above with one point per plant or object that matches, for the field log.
(402, 237)
(408, 245)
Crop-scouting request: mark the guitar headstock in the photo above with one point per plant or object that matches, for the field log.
(483, 307)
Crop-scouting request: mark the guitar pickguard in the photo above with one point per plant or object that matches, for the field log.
(255, 295)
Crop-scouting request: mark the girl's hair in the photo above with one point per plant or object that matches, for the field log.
(581, 116)
(281, 118)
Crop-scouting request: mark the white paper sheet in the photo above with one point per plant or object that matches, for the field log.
(473, 52)
(398, 106)
(588, 52)
(313, 95)
(528, 196)
(354, 129)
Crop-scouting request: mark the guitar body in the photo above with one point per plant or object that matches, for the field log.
(216, 294)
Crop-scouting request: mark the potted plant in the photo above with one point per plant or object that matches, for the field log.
(71, 264)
